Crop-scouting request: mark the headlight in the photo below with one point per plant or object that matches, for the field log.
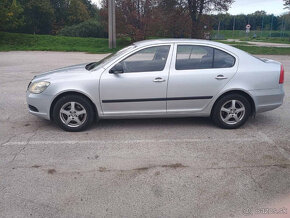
(38, 87)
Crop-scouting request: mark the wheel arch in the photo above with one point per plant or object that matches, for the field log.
(240, 92)
(60, 95)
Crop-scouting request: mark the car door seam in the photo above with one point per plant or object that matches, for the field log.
(169, 72)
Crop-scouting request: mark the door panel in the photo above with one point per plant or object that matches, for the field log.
(141, 89)
(199, 86)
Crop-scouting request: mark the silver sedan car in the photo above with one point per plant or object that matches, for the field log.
(160, 78)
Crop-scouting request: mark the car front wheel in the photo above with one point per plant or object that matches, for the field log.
(231, 111)
(73, 113)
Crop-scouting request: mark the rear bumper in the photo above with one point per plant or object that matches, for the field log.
(268, 99)
(39, 104)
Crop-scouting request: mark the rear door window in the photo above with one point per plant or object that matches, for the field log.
(194, 57)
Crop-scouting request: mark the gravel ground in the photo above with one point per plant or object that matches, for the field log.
(135, 168)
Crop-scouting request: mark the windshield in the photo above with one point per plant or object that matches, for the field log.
(110, 57)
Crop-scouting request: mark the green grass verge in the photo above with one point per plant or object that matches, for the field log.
(28, 42)
(261, 36)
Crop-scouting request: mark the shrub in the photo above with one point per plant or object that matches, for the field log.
(89, 28)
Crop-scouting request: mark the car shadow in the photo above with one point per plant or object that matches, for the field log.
(198, 122)
(155, 122)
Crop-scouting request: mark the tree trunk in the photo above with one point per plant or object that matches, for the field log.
(196, 31)
(196, 11)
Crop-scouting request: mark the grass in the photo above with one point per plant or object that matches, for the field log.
(28, 42)
(261, 36)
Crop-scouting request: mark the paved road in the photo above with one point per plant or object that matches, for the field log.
(134, 168)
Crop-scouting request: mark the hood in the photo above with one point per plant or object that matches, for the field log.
(75, 69)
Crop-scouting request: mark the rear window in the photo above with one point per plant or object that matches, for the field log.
(223, 59)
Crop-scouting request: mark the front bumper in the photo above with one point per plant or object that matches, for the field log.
(39, 104)
(268, 99)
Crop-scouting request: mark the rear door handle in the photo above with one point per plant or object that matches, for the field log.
(221, 77)
(159, 80)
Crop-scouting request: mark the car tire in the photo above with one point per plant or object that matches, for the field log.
(231, 111)
(73, 113)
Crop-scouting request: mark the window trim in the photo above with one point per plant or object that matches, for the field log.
(205, 45)
(169, 57)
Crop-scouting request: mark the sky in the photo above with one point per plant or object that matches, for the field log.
(250, 6)
(96, 1)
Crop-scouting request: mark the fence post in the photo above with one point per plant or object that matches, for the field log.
(271, 26)
(234, 24)
(262, 26)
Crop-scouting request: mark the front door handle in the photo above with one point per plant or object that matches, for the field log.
(221, 77)
(159, 80)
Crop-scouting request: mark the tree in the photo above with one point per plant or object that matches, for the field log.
(92, 9)
(170, 20)
(287, 4)
(16, 19)
(167, 18)
(60, 8)
(44, 16)
(77, 12)
(197, 8)
(39, 16)
(11, 16)
(4, 8)
(134, 18)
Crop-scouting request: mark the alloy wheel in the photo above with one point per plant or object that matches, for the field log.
(232, 112)
(73, 114)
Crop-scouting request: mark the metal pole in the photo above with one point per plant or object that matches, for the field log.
(112, 24)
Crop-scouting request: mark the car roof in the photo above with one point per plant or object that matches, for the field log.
(197, 41)
(158, 41)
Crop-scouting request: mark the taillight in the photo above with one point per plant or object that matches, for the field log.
(281, 80)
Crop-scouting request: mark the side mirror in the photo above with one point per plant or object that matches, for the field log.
(117, 69)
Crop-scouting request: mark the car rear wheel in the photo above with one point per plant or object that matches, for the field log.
(73, 113)
(231, 111)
